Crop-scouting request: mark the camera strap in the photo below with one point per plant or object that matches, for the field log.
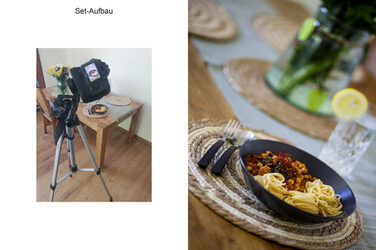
(59, 129)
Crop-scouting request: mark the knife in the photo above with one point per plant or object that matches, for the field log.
(241, 137)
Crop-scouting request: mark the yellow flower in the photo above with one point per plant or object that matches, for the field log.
(59, 72)
(51, 68)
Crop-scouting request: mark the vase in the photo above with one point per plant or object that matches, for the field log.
(317, 63)
(62, 88)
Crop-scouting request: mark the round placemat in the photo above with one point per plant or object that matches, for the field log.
(291, 9)
(118, 100)
(209, 20)
(246, 75)
(228, 196)
(86, 112)
(277, 31)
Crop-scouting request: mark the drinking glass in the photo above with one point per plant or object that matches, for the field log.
(348, 141)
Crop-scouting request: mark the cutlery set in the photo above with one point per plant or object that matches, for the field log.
(232, 134)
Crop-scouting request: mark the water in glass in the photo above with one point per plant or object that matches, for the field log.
(348, 142)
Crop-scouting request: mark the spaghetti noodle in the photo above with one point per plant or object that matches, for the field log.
(319, 198)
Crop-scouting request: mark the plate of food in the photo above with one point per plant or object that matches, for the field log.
(99, 109)
(294, 183)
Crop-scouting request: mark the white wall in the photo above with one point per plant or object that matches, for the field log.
(130, 75)
(51, 57)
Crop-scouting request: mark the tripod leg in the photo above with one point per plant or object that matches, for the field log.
(71, 153)
(82, 134)
(56, 167)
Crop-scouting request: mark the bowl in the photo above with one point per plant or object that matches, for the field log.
(97, 107)
(316, 168)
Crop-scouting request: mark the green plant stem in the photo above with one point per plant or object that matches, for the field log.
(312, 61)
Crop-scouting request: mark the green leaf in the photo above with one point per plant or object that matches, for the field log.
(315, 98)
(307, 27)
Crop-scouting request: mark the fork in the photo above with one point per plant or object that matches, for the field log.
(227, 134)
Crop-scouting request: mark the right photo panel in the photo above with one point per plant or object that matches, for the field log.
(282, 121)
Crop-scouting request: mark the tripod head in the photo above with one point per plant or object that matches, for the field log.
(66, 107)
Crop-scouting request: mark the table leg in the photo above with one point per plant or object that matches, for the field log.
(101, 145)
(132, 127)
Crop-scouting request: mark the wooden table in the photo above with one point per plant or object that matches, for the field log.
(206, 229)
(102, 125)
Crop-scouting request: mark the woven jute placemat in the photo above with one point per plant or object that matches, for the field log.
(276, 31)
(209, 20)
(118, 100)
(246, 75)
(228, 196)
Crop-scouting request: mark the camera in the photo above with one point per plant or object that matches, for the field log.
(90, 80)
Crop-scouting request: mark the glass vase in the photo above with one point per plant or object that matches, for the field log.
(318, 63)
(62, 88)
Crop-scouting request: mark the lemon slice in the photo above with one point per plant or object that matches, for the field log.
(349, 104)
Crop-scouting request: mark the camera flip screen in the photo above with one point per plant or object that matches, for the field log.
(92, 72)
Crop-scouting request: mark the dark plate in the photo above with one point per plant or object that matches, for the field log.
(315, 167)
(99, 105)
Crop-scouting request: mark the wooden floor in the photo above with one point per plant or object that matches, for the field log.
(127, 170)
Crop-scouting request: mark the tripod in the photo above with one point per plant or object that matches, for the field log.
(71, 122)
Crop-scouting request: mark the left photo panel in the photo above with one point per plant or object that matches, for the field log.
(94, 120)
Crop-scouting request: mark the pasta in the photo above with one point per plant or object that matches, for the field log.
(318, 198)
(289, 180)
